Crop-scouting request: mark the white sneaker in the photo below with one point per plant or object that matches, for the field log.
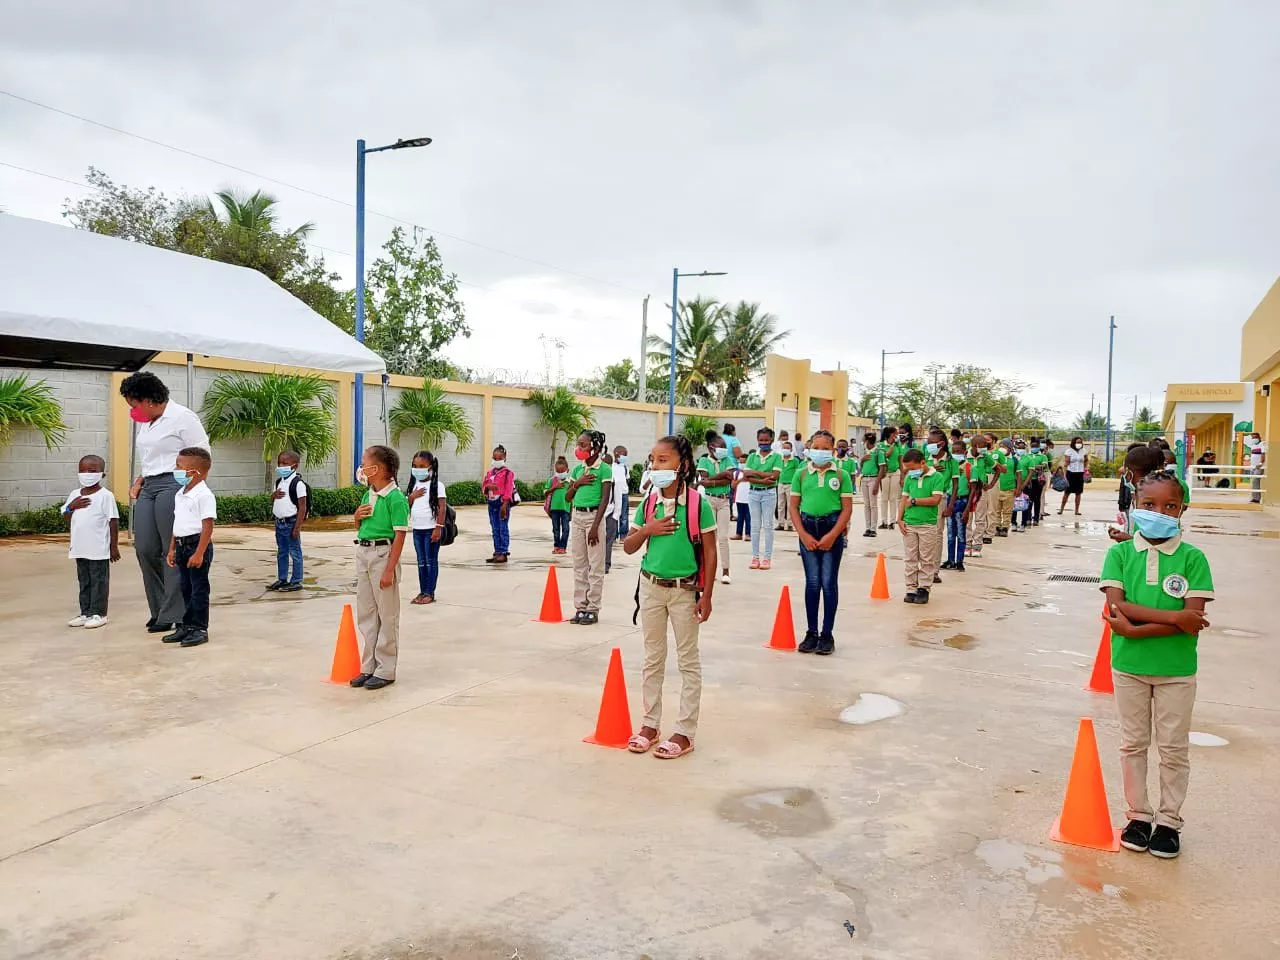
(78, 622)
(724, 578)
(94, 622)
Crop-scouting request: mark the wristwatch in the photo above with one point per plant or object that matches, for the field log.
(913, 501)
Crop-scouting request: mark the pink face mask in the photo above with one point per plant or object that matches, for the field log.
(137, 416)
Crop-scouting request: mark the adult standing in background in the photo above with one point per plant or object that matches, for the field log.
(731, 442)
(164, 427)
(1077, 462)
(1257, 451)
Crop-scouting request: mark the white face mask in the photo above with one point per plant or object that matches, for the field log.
(89, 479)
(498, 464)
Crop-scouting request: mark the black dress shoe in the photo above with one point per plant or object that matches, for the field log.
(277, 585)
(361, 679)
(986, 539)
(946, 565)
(194, 638)
(177, 636)
(291, 588)
(910, 596)
(826, 645)
(809, 643)
(161, 627)
(377, 683)
(151, 623)
(922, 596)
(936, 578)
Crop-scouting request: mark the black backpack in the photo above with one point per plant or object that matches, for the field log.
(449, 532)
(293, 488)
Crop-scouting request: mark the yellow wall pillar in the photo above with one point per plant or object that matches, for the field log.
(345, 392)
(486, 426)
(119, 437)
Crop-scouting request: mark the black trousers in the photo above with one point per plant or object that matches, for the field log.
(95, 581)
(1035, 493)
(195, 581)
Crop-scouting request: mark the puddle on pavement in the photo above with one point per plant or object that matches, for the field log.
(961, 641)
(933, 623)
(1036, 606)
(1006, 591)
(457, 946)
(780, 812)
(1245, 634)
(871, 707)
(1039, 867)
(1215, 532)
(1201, 739)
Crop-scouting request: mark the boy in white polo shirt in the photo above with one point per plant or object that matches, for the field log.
(95, 540)
(191, 548)
(289, 506)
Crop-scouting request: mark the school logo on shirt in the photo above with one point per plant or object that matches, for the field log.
(1175, 585)
(834, 481)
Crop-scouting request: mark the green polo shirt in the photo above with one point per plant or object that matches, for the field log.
(1162, 576)
(980, 471)
(875, 460)
(390, 514)
(789, 467)
(1008, 479)
(711, 468)
(918, 488)
(822, 492)
(1027, 465)
(670, 556)
(588, 495)
(558, 499)
(962, 487)
(765, 464)
(893, 456)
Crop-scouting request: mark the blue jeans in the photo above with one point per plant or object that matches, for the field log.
(956, 531)
(764, 503)
(560, 529)
(288, 549)
(428, 552)
(501, 532)
(821, 572)
(744, 520)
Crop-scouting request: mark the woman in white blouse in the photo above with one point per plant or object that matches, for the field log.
(1076, 461)
(164, 428)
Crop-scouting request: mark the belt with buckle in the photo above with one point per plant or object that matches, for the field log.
(372, 543)
(687, 583)
(587, 509)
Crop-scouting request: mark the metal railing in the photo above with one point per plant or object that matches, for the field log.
(1227, 482)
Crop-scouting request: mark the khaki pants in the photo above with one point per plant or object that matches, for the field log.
(980, 522)
(923, 551)
(657, 606)
(890, 496)
(784, 507)
(377, 613)
(720, 506)
(1004, 508)
(869, 502)
(1165, 704)
(588, 561)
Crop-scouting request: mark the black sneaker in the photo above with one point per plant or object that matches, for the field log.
(1136, 836)
(291, 588)
(177, 636)
(910, 597)
(277, 585)
(946, 565)
(809, 643)
(1002, 533)
(922, 596)
(986, 539)
(360, 679)
(194, 638)
(958, 568)
(1165, 843)
(868, 533)
(826, 645)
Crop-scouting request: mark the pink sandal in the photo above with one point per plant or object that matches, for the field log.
(639, 744)
(670, 750)
(755, 563)
(766, 564)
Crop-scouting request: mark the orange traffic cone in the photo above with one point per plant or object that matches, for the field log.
(346, 652)
(1100, 681)
(551, 600)
(1085, 819)
(880, 582)
(784, 628)
(613, 725)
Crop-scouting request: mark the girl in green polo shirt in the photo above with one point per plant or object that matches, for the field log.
(1157, 587)
(821, 503)
(791, 464)
(716, 474)
(558, 507)
(891, 485)
(670, 590)
(922, 493)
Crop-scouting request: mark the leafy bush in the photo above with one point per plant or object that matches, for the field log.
(531, 492)
(44, 520)
(252, 508)
(634, 478)
(464, 493)
(334, 503)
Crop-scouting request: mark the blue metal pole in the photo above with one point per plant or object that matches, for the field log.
(671, 386)
(359, 380)
(1111, 352)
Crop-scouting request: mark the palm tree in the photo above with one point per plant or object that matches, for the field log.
(427, 411)
(254, 213)
(699, 351)
(30, 406)
(560, 412)
(290, 411)
(750, 335)
(695, 427)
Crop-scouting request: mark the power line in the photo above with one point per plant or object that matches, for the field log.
(309, 192)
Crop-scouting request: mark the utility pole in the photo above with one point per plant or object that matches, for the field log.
(1135, 418)
(1111, 353)
(644, 345)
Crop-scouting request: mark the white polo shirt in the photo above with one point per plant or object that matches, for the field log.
(191, 508)
(284, 508)
(91, 525)
(160, 440)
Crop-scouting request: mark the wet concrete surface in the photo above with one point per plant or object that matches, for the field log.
(225, 801)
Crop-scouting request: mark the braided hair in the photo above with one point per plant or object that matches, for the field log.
(432, 462)
(597, 442)
(688, 471)
(1161, 476)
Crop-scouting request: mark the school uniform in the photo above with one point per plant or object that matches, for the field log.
(790, 467)
(615, 519)
(922, 539)
(91, 548)
(285, 510)
(1005, 488)
(868, 479)
(718, 497)
(823, 494)
(891, 485)
(588, 559)
(668, 593)
(947, 470)
(988, 506)
(378, 610)
(763, 500)
(741, 500)
(191, 507)
(558, 509)
(979, 475)
(422, 522)
(1155, 678)
(957, 529)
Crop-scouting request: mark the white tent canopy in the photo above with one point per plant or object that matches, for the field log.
(71, 298)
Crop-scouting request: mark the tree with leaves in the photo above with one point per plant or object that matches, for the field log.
(254, 212)
(433, 416)
(30, 405)
(695, 427)
(561, 413)
(749, 336)
(620, 381)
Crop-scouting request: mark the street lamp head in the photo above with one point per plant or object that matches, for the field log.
(411, 142)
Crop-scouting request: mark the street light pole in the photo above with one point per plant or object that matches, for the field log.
(1111, 352)
(361, 151)
(644, 345)
(675, 302)
(883, 354)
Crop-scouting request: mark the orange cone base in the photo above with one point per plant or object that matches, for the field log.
(600, 743)
(1055, 834)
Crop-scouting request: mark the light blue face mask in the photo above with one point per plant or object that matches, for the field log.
(181, 477)
(1155, 526)
(662, 479)
(932, 448)
(283, 472)
(819, 458)
(916, 474)
(420, 473)
(621, 459)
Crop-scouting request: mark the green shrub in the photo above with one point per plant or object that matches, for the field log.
(531, 492)
(251, 508)
(634, 478)
(44, 520)
(334, 503)
(464, 493)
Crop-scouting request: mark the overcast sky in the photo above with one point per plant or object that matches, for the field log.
(980, 182)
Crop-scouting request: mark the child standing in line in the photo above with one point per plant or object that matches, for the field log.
(958, 509)
(978, 509)
(891, 485)
(289, 506)
(873, 465)
(499, 489)
(764, 466)
(558, 507)
(95, 540)
(673, 587)
(821, 504)
(1007, 468)
(922, 491)
(1139, 461)
(382, 521)
(790, 466)
(715, 472)
(1156, 587)
(741, 497)
(938, 456)
(589, 495)
(427, 507)
(191, 546)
